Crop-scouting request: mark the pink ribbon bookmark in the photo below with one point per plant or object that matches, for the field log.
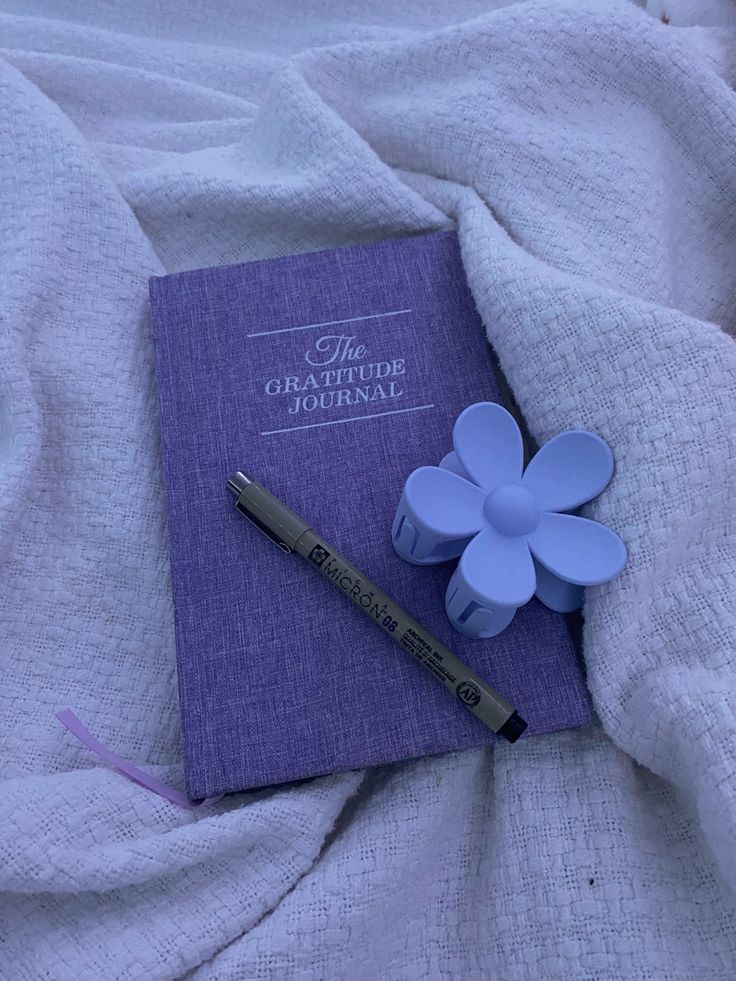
(77, 728)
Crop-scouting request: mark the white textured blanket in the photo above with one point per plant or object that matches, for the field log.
(587, 153)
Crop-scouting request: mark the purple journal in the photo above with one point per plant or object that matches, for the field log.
(328, 377)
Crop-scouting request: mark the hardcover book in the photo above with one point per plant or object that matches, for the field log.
(328, 377)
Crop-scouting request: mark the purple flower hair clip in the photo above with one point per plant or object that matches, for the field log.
(511, 528)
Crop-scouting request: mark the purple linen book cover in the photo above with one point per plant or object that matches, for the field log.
(329, 377)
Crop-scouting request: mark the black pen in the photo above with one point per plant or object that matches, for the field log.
(292, 534)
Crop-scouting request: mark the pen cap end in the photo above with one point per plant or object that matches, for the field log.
(237, 483)
(513, 727)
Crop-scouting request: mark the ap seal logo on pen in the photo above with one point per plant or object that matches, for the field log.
(468, 693)
(319, 555)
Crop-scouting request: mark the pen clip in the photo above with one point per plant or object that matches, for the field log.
(264, 529)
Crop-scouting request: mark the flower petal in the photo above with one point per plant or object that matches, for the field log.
(446, 504)
(488, 444)
(498, 568)
(576, 549)
(569, 470)
(450, 461)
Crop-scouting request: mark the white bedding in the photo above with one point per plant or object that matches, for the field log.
(586, 152)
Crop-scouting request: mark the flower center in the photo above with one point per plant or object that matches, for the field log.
(512, 510)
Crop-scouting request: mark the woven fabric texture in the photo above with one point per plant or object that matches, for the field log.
(585, 152)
